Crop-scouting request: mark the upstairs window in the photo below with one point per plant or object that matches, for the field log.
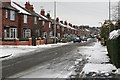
(35, 20)
(43, 23)
(12, 15)
(25, 18)
(49, 25)
(6, 13)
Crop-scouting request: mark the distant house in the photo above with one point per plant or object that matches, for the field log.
(46, 21)
(9, 21)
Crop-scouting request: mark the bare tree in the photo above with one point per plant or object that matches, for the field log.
(115, 11)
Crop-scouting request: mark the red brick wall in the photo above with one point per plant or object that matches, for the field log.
(29, 24)
(46, 26)
(0, 23)
(7, 21)
(17, 42)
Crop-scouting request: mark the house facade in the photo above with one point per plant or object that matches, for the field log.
(9, 21)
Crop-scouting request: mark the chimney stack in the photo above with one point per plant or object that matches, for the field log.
(61, 22)
(42, 12)
(48, 15)
(65, 22)
(29, 6)
(57, 19)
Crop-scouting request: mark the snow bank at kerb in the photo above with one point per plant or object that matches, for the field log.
(114, 34)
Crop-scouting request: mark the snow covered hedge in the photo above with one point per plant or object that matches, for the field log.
(113, 47)
(114, 34)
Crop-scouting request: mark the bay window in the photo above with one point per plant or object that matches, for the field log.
(27, 33)
(13, 32)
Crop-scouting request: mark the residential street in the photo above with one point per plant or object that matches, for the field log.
(62, 55)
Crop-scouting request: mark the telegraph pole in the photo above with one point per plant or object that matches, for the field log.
(109, 11)
(54, 21)
(109, 15)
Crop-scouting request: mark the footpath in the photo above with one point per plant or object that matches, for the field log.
(94, 63)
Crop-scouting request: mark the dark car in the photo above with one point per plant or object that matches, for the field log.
(77, 39)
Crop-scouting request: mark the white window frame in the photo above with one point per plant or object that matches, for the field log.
(12, 15)
(49, 24)
(58, 27)
(13, 34)
(45, 34)
(43, 23)
(35, 20)
(26, 33)
(6, 13)
(6, 33)
(51, 33)
(25, 18)
(58, 34)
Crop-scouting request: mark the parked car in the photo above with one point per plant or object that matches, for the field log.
(84, 39)
(77, 39)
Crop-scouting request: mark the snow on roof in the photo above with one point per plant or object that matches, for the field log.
(114, 34)
(114, 22)
(20, 9)
(87, 30)
(43, 17)
(70, 27)
(62, 25)
(67, 26)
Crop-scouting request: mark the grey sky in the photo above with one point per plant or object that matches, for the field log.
(78, 13)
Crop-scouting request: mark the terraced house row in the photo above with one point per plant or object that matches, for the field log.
(23, 23)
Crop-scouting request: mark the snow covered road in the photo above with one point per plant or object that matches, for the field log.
(8, 52)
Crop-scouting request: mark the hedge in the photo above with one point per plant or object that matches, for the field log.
(113, 47)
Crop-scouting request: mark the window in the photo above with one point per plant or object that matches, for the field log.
(49, 25)
(25, 18)
(35, 20)
(12, 15)
(62, 29)
(6, 14)
(13, 32)
(51, 34)
(6, 33)
(43, 23)
(58, 35)
(58, 27)
(45, 34)
(27, 33)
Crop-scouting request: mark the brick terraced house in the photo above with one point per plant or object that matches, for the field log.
(23, 23)
(9, 21)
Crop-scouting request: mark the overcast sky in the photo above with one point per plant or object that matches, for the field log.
(77, 12)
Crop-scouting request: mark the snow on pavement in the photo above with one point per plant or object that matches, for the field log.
(98, 68)
(16, 51)
(97, 59)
